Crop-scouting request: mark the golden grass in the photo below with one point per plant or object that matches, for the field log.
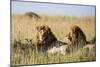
(24, 27)
(30, 57)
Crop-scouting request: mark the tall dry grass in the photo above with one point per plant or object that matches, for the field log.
(24, 28)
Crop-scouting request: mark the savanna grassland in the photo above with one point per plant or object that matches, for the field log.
(24, 28)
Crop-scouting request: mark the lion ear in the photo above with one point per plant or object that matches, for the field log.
(46, 28)
(49, 29)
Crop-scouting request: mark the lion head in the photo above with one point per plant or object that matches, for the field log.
(45, 37)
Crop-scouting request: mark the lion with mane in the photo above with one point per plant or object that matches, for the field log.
(46, 39)
(76, 37)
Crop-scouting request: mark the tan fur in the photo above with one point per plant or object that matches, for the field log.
(64, 49)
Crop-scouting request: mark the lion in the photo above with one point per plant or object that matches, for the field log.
(46, 39)
(32, 15)
(76, 37)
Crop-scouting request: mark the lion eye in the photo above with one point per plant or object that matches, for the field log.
(41, 32)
